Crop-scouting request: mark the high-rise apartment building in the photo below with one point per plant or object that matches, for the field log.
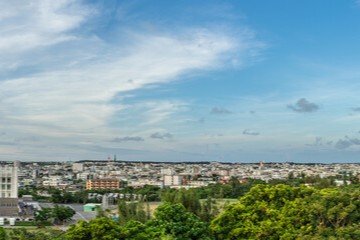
(9, 189)
(9, 180)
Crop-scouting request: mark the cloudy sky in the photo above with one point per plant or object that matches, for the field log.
(204, 80)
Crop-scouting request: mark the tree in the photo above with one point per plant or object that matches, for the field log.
(80, 231)
(209, 210)
(68, 197)
(149, 193)
(108, 229)
(42, 216)
(134, 230)
(132, 211)
(285, 212)
(62, 213)
(100, 212)
(188, 198)
(95, 229)
(80, 197)
(23, 234)
(104, 228)
(180, 224)
(3, 235)
(56, 196)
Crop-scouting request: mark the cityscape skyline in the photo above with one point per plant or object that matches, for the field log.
(229, 81)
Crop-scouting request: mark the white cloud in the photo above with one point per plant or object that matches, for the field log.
(35, 23)
(67, 92)
(66, 97)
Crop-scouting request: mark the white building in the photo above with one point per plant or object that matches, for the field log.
(9, 180)
(172, 180)
(167, 171)
(78, 167)
(9, 189)
(52, 181)
(85, 176)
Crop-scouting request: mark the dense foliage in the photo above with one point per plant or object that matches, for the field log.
(266, 212)
(171, 221)
(280, 209)
(31, 234)
(62, 213)
(284, 212)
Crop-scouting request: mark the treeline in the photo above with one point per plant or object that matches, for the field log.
(285, 212)
(37, 234)
(231, 189)
(265, 212)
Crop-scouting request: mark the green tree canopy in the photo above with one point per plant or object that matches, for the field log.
(42, 216)
(174, 220)
(62, 213)
(96, 229)
(284, 212)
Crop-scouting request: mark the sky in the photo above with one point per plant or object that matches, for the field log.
(191, 80)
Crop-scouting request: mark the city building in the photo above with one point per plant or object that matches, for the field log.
(172, 180)
(167, 171)
(103, 183)
(78, 167)
(9, 189)
(52, 181)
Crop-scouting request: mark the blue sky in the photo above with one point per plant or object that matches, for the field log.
(239, 81)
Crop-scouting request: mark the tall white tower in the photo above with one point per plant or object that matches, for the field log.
(9, 180)
(9, 189)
